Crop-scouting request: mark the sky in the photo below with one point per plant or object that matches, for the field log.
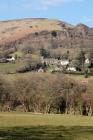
(71, 11)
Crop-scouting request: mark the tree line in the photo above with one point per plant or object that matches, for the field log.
(53, 93)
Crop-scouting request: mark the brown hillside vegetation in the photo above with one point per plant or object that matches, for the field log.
(46, 93)
(20, 33)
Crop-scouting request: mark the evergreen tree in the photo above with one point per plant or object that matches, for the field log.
(44, 53)
(91, 58)
(80, 60)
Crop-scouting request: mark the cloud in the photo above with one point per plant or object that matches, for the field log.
(33, 5)
(46, 4)
(87, 19)
(57, 2)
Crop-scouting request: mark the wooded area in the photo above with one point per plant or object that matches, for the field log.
(42, 93)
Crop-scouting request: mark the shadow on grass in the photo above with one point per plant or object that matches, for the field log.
(47, 133)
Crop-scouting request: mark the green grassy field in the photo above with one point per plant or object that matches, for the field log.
(17, 53)
(27, 126)
(10, 67)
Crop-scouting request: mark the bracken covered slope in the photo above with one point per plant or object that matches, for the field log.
(37, 33)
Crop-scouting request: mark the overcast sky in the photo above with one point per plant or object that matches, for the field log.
(72, 11)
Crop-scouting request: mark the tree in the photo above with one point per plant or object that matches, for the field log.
(80, 60)
(68, 53)
(24, 90)
(45, 53)
(36, 33)
(86, 73)
(54, 40)
(5, 94)
(54, 33)
(91, 58)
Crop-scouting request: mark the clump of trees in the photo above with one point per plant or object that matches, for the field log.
(44, 52)
(79, 61)
(46, 93)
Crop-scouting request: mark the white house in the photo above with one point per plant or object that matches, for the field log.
(87, 61)
(50, 61)
(57, 69)
(64, 62)
(40, 70)
(12, 59)
(73, 69)
(53, 61)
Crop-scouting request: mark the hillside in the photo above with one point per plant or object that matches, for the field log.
(37, 33)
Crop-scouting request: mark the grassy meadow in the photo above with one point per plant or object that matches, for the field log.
(28, 126)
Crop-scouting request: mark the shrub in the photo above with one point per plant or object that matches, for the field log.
(54, 33)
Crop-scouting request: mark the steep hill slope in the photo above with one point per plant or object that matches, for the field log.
(37, 33)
